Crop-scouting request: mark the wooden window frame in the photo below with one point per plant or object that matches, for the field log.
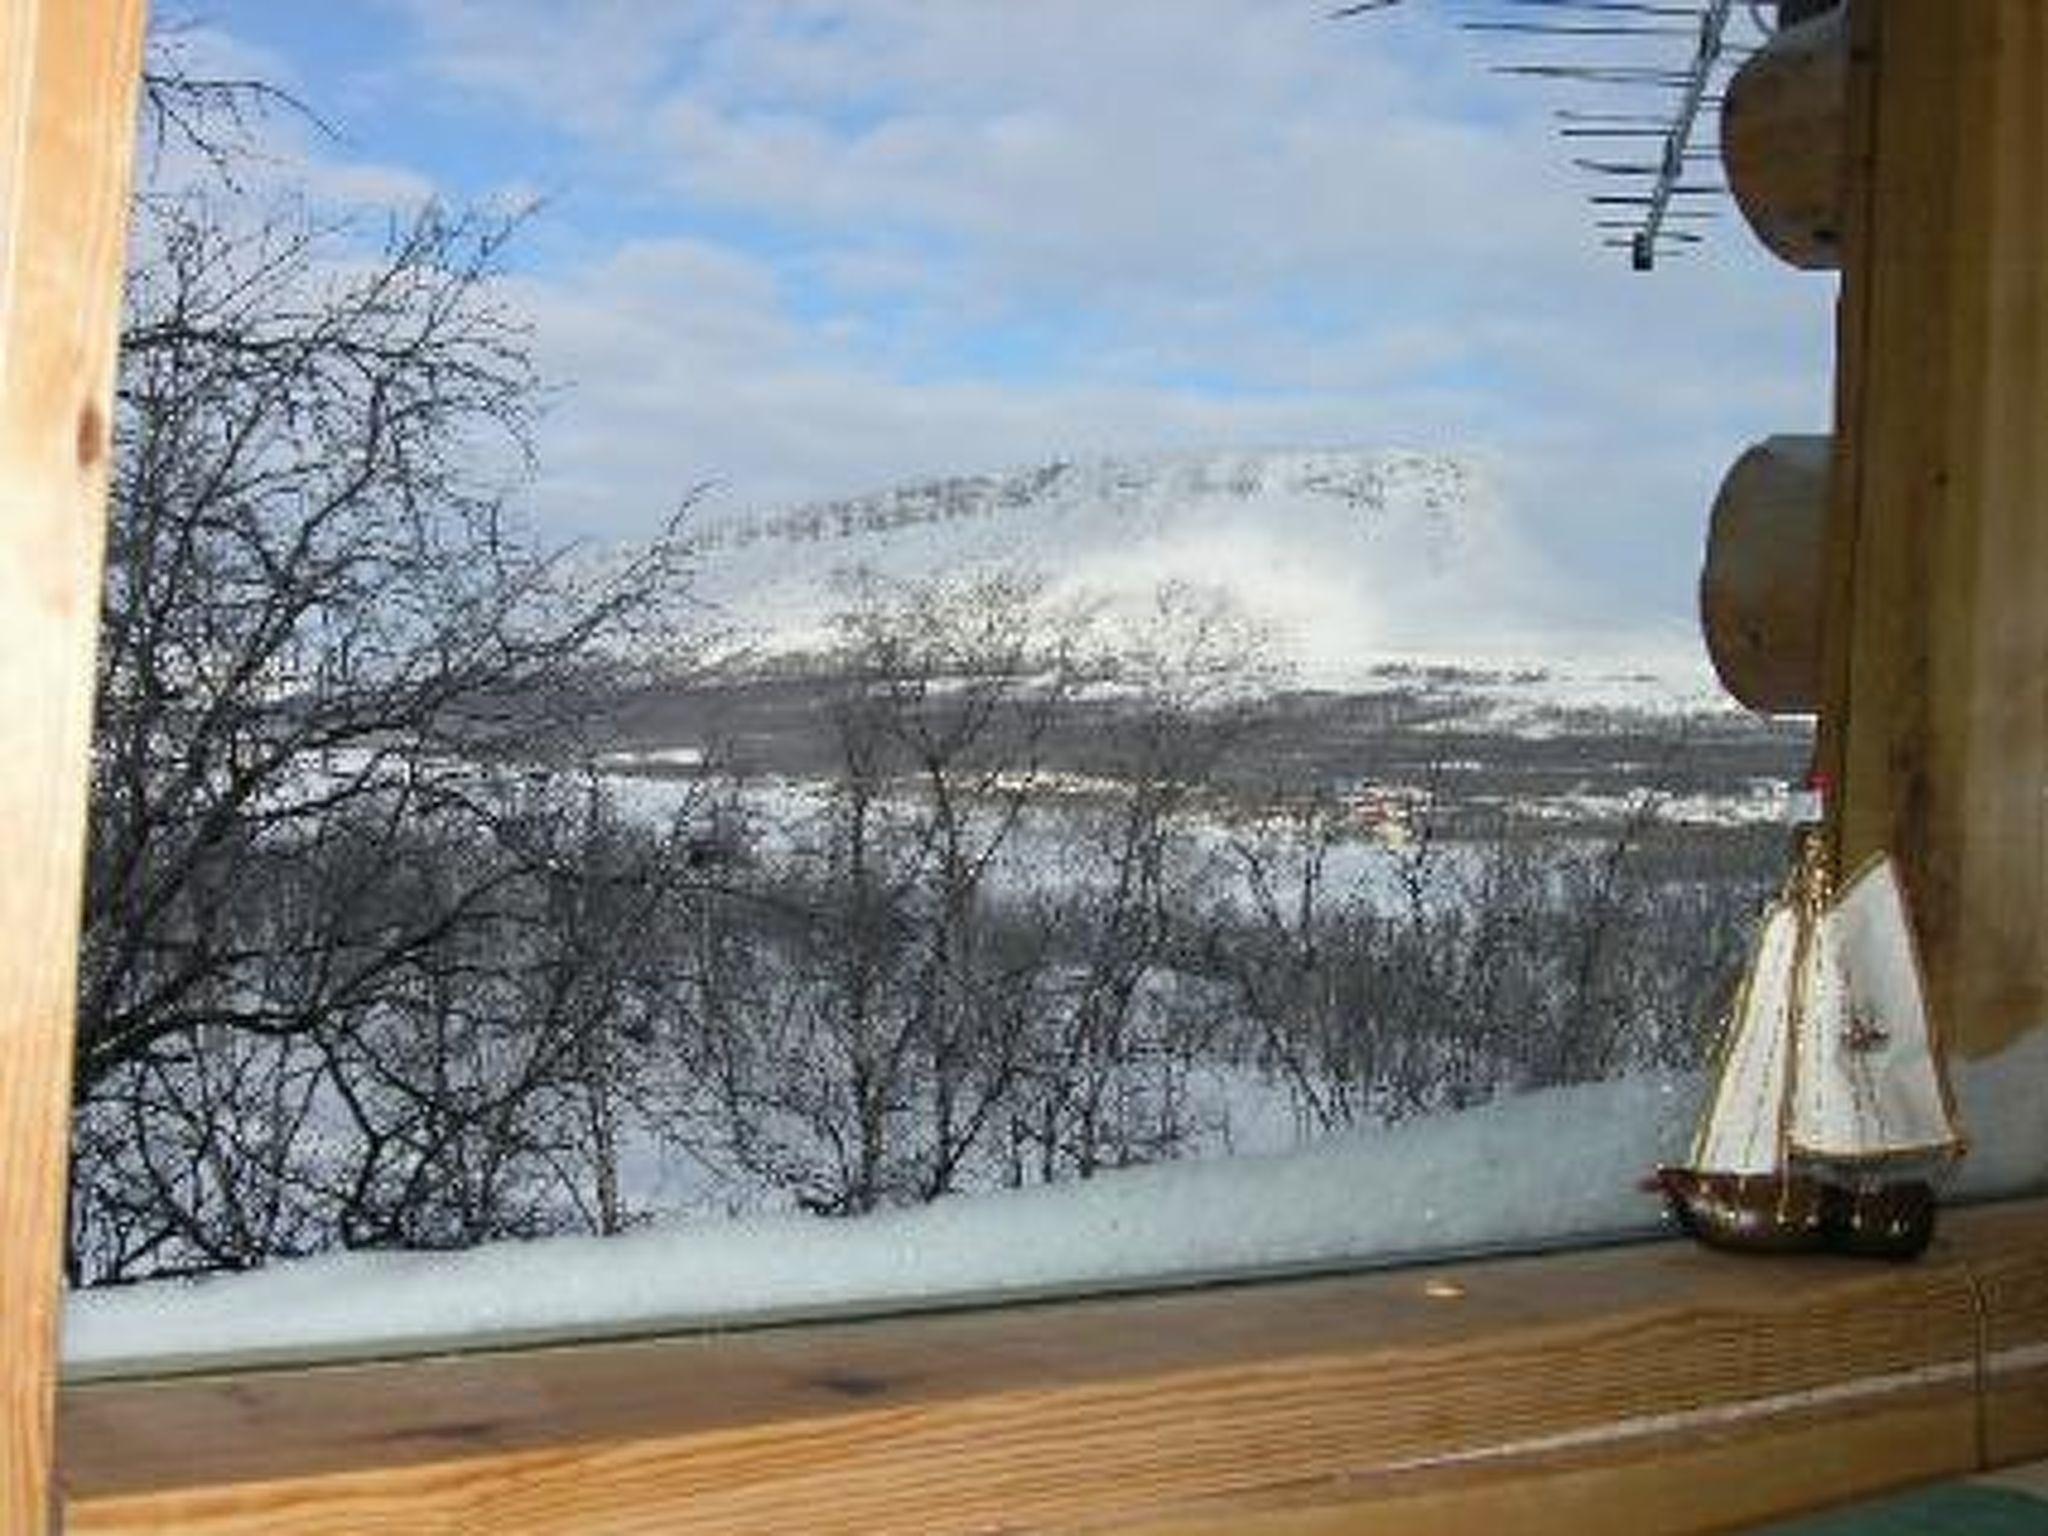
(1640, 1389)
(69, 73)
(1651, 1388)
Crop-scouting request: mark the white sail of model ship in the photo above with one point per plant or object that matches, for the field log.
(1830, 1072)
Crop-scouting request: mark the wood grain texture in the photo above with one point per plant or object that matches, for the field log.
(1782, 135)
(1762, 585)
(1937, 720)
(68, 76)
(1278, 1404)
(2012, 1280)
(1845, 465)
(1718, 1480)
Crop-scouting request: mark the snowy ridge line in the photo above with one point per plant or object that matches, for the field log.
(1709, 1416)
(1342, 558)
(1357, 477)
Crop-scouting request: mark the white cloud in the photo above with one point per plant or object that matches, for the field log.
(586, 67)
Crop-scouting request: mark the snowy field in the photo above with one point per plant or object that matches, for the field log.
(1542, 1168)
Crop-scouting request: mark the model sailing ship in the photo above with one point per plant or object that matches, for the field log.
(1830, 1112)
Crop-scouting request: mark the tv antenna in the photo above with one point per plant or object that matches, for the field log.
(1639, 77)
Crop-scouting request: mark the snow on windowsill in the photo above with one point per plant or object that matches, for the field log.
(1539, 1168)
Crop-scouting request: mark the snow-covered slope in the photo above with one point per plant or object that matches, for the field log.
(1349, 559)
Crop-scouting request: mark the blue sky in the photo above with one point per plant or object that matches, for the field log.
(803, 247)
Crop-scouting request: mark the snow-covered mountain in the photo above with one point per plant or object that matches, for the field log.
(1352, 560)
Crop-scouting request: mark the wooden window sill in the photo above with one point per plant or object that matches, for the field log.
(1656, 1388)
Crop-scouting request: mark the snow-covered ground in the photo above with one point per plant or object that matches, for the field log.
(1601, 682)
(1768, 802)
(1559, 1165)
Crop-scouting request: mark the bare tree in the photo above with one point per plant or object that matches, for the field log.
(893, 983)
(1186, 680)
(1390, 976)
(325, 640)
(315, 598)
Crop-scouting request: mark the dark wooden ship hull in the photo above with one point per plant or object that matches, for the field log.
(1748, 1212)
(1799, 1213)
(1892, 1220)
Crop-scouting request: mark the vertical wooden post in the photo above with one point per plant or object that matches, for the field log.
(1935, 719)
(68, 78)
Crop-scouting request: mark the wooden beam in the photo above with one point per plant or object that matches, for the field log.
(1762, 586)
(68, 76)
(1644, 1389)
(1783, 125)
(1935, 727)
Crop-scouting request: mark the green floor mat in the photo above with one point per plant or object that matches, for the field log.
(1954, 1509)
